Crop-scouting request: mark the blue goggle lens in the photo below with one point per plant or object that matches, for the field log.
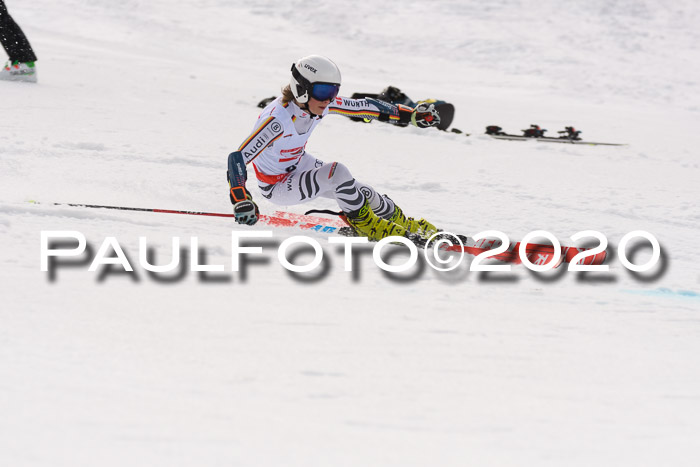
(324, 92)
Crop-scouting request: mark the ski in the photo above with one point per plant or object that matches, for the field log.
(568, 136)
(536, 253)
(547, 139)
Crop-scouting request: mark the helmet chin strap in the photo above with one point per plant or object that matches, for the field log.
(305, 106)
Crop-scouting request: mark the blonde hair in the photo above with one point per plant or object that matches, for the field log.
(287, 95)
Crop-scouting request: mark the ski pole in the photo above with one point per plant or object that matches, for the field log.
(125, 208)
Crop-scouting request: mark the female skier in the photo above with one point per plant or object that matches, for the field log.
(288, 175)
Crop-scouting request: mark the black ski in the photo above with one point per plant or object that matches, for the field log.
(568, 136)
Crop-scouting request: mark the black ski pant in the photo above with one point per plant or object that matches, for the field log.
(13, 39)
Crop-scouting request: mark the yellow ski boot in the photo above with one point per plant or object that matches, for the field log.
(421, 227)
(367, 224)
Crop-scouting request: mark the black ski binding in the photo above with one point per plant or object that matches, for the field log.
(570, 133)
(494, 130)
(534, 132)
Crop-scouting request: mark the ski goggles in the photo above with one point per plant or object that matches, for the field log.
(324, 91)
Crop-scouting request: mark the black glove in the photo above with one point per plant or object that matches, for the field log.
(245, 210)
(425, 115)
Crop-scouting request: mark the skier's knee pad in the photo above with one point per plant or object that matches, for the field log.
(382, 205)
(375, 199)
(368, 192)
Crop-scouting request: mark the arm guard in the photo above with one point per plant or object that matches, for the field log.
(371, 109)
(237, 176)
(394, 113)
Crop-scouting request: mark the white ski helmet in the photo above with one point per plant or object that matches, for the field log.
(314, 76)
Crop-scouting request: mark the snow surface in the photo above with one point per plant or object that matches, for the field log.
(139, 103)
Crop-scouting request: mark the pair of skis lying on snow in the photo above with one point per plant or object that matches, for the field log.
(569, 136)
(537, 253)
(547, 139)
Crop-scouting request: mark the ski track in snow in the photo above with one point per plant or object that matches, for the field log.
(140, 102)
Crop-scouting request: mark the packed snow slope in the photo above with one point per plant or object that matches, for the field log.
(140, 102)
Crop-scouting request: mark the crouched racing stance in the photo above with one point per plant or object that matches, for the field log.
(288, 175)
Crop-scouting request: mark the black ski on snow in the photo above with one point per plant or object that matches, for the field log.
(570, 135)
